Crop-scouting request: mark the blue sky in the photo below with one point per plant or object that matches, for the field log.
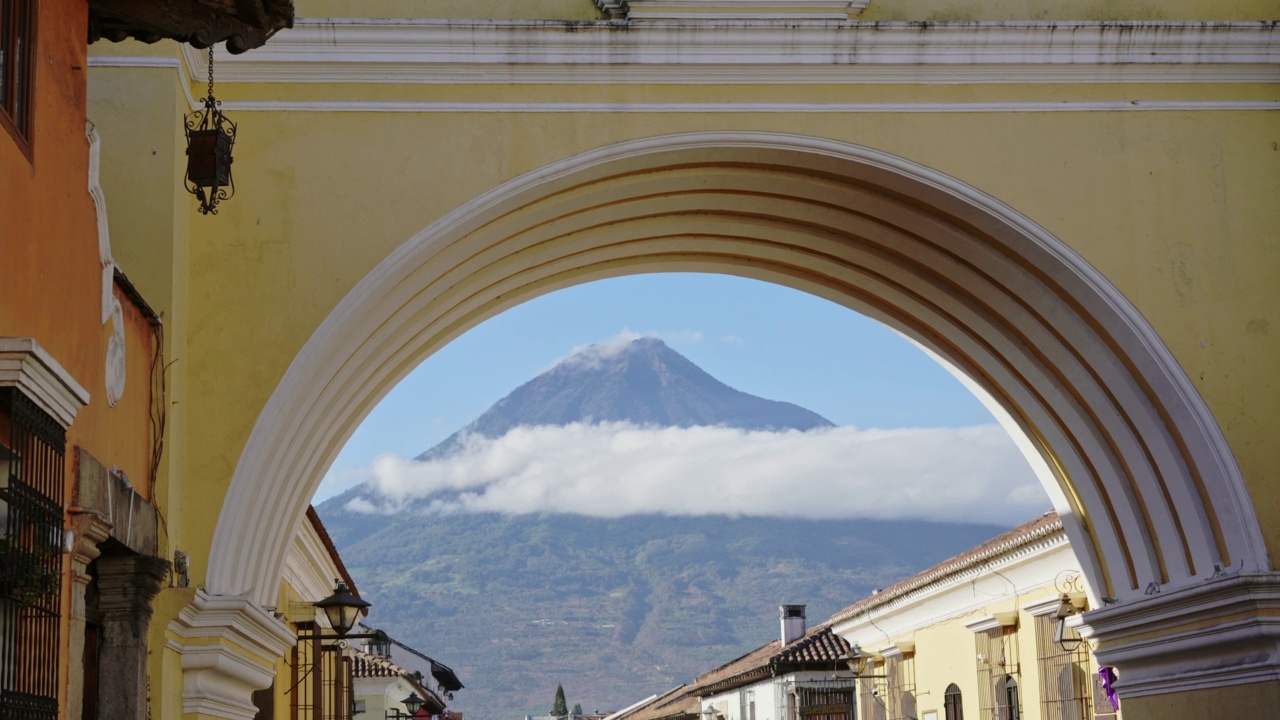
(763, 339)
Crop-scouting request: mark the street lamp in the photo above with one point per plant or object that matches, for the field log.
(1061, 637)
(855, 659)
(412, 703)
(210, 137)
(342, 608)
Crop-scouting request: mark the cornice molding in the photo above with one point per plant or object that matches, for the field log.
(994, 621)
(212, 636)
(332, 106)
(1223, 632)
(776, 10)
(28, 367)
(951, 574)
(328, 50)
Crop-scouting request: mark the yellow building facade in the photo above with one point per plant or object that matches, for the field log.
(974, 636)
(1071, 204)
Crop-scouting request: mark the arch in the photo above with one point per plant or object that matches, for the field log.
(1137, 467)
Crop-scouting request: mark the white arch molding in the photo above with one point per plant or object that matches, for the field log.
(1145, 481)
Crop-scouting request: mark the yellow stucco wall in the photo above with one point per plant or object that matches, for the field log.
(323, 198)
(876, 10)
(1175, 207)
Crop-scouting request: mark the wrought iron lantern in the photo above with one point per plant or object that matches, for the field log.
(1065, 637)
(342, 608)
(855, 659)
(412, 703)
(210, 138)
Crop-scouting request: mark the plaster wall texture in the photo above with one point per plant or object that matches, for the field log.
(1110, 184)
(1174, 206)
(945, 649)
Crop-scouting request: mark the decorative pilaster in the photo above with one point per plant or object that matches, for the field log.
(229, 646)
(126, 584)
(89, 529)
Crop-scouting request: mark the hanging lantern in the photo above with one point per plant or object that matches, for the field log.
(210, 137)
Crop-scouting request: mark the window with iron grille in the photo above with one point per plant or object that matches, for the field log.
(17, 36)
(826, 700)
(32, 448)
(900, 687)
(871, 704)
(320, 678)
(998, 664)
(1065, 687)
(951, 703)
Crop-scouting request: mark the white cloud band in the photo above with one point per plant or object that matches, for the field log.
(970, 474)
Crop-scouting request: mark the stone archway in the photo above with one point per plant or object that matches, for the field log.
(1150, 495)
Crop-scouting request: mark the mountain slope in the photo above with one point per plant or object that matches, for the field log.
(644, 383)
(615, 609)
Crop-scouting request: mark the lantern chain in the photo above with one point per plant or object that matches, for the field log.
(210, 72)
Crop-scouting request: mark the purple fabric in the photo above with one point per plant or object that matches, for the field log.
(1108, 679)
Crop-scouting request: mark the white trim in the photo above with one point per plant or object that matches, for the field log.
(186, 73)
(398, 311)
(1169, 643)
(218, 680)
(744, 107)
(350, 50)
(795, 10)
(28, 367)
(992, 622)
(116, 372)
(129, 61)
(1048, 606)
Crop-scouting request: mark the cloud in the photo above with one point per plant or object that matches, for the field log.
(973, 474)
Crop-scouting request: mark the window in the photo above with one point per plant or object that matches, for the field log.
(997, 654)
(951, 703)
(871, 704)
(900, 687)
(32, 446)
(1009, 705)
(17, 32)
(1065, 687)
(320, 678)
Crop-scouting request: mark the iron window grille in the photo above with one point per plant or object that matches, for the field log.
(997, 661)
(952, 703)
(1065, 687)
(820, 700)
(321, 678)
(17, 70)
(31, 508)
(871, 692)
(900, 687)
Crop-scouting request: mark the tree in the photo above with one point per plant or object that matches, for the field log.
(559, 708)
(577, 709)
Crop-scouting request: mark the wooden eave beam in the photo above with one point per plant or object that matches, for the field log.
(187, 21)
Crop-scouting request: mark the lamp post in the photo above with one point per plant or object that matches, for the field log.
(342, 608)
(1062, 635)
(412, 703)
(857, 662)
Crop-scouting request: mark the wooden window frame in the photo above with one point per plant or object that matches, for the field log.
(17, 105)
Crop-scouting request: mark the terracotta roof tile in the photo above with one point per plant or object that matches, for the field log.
(364, 665)
(1025, 534)
(675, 703)
(818, 649)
